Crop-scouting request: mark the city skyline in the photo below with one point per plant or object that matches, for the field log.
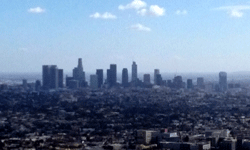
(173, 36)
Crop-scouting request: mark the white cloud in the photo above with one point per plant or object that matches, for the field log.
(140, 27)
(155, 10)
(135, 4)
(36, 10)
(181, 12)
(234, 11)
(106, 15)
(142, 12)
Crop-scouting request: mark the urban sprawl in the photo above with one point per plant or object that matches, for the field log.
(70, 113)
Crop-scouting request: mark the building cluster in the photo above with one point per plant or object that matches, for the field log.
(53, 79)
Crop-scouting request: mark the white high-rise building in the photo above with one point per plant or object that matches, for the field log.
(94, 81)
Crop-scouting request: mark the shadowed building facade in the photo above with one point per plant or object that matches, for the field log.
(51, 77)
(134, 72)
(99, 73)
(111, 75)
(125, 77)
(223, 81)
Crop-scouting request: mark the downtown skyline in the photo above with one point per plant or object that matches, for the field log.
(174, 36)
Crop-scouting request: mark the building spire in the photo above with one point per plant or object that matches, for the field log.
(80, 63)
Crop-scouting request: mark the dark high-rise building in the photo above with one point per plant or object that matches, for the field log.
(111, 75)
(158, 79)
(178, 82)
(60, 78)
(78, 72)
(156, 71)
(38, 85)
(146, 78)
(53, 77)
(94, 81)
(200, 83)
(46, 76)
(68, 79)
(79, 75)
(99, 73)
(125, 77)
(50, 77)
(223, 81)
(189, 83)
(108, 77)
(134, 72)
(25, 84)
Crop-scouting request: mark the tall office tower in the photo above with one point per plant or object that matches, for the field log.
(200, 82)
(223, 81)
(134, 72)
(46, 76)
(99, 73)
(108, 77)
(53, 77)
(112, 75)
(68, 79)
(178, 82)
(189, 83)
(146, 78)
(78, 72)
(158, 79)
(25, 86)
(156, 71)
(94, 81)
(60, 78)
(38, 85)
(125, 77)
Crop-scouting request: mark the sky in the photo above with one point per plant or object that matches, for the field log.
(170, 35)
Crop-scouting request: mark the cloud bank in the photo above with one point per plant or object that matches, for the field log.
(140, 27)
(142, 10)
(36, 10)
(234, 11)
(105, 15)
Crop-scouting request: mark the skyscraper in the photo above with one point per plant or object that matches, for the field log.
(125, 77)
(158, 79)
(134, 72)
(60, 78)
(108, 77)
(78, 73)
(178, 82)
(99, 73)
(25, 85)
(94, 81)
(156, 71)
(53, 77)
(200, 82)
(223, 81)
(46, 76)
(146, 78)
(189, 83)
(111, 75)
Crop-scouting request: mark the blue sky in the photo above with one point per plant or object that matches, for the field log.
(172, 35)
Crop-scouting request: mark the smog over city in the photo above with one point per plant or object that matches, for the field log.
(124, 75)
